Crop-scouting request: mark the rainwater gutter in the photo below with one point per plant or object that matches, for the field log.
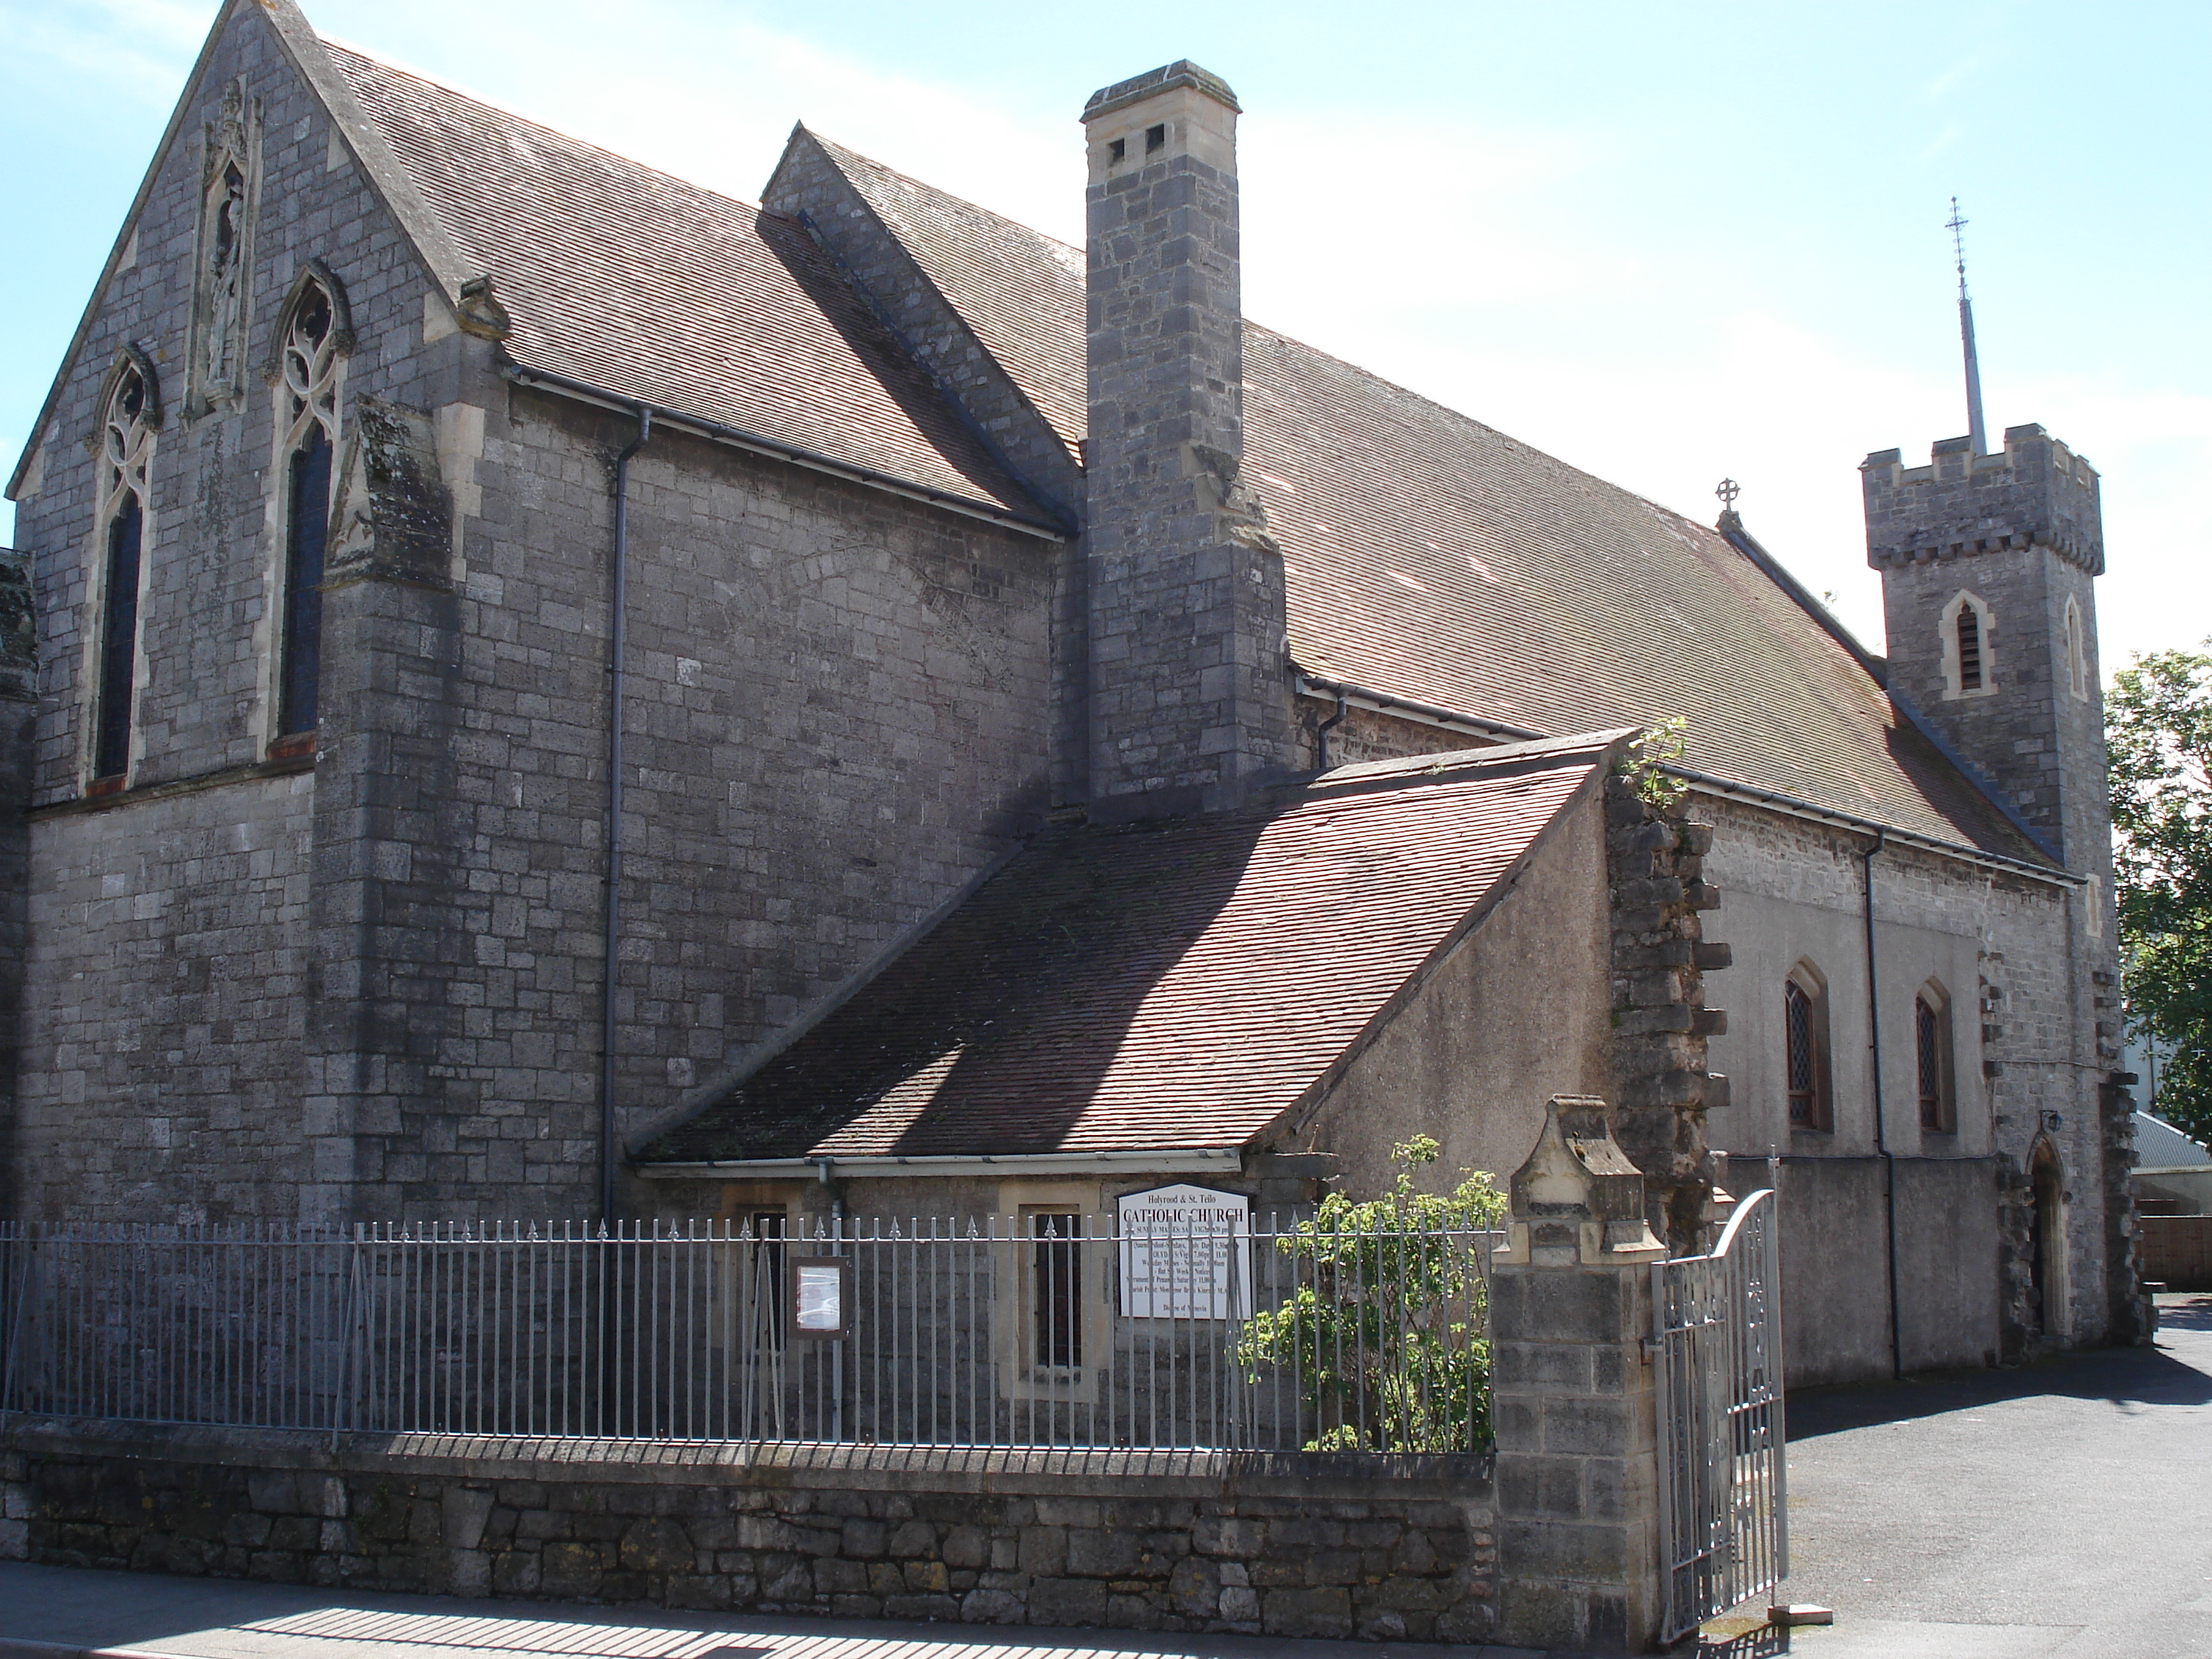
(1199, 1160)
(617, 633)
(1881, 1127)
(757, 443)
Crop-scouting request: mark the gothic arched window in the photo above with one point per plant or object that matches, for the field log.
(128, 413)
(1931, 1034)
(1806, 1072)
(309, 364)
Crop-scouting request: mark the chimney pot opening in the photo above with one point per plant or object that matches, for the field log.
(1156, 138)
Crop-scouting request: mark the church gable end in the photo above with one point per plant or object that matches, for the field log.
(172, 823)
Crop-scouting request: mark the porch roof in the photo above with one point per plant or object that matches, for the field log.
(1161, 986)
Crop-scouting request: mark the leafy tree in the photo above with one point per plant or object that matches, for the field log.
(2158, 729)
(1385, 1330)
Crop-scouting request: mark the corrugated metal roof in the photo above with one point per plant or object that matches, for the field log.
(1160, 987)
(2159, 1146)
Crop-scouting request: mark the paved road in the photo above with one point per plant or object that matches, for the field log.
(2059, 1513)
(51, 1613)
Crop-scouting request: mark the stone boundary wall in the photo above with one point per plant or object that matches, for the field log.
(1399, 1548)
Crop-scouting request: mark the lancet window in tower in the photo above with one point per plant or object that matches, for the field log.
(2077, 651)
(308, 398)
(126, 427)
(1970, 648)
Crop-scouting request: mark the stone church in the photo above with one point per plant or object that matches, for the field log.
(546, 691)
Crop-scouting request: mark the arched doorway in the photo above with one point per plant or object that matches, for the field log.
(2047, 1256)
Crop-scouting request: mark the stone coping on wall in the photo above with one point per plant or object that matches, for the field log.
(1303, 1545)
(1059, 1470)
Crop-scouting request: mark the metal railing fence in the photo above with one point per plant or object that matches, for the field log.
(1723, 1469)
(1038, 1330)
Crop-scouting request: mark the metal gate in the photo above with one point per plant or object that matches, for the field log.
(1724, 1518)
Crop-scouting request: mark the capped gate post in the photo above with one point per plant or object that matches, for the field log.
(1572, 1394)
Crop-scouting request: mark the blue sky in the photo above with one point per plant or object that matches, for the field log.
(1664, 243)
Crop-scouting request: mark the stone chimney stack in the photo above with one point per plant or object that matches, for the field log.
(1190, 693)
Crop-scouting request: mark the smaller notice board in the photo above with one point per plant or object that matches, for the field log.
(1185, 1254)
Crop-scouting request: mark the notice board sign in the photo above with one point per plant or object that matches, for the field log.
(1185, 1254)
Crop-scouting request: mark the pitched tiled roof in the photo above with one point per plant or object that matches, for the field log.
(1435, 559)
(649, 288)
(1160, 987)
(1021, 291)
(1429, 557)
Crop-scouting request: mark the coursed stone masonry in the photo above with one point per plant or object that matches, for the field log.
(366, 982)
(1190, 691)
(1299, 1545)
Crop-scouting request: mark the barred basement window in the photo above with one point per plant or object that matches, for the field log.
(130, 412)
(767, 1229)
(1057, 1286)
(309, 369)
(1805, 1049)
(1931, 1014)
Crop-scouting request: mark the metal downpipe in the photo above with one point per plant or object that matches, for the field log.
(1880, 1124)
(617, 634)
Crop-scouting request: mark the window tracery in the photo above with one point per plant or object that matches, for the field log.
(309, 363)
(1806, 1076)
(130, 412)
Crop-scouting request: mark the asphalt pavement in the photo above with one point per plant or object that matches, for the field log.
(2059, 1511)
(70, 1612)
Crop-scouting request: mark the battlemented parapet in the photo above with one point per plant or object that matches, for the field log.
(2037, 493)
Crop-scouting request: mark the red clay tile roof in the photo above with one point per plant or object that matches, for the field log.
(1159, 987)
(647, 286)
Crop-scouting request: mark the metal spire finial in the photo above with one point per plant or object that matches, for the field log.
(1728, 490)
(1977, 434)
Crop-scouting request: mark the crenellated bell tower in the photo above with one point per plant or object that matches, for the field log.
(1989, 566)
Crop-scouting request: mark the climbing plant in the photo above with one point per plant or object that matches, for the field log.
(1385, 1331)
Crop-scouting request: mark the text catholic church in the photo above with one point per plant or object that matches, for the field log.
(1059, 739)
